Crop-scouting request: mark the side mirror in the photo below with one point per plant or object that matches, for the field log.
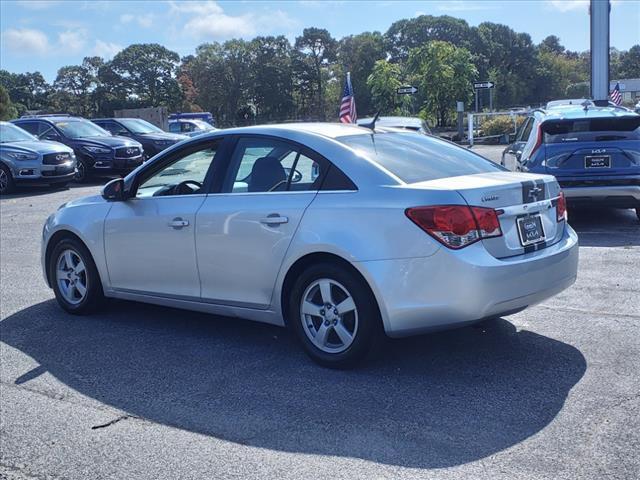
(114, 190)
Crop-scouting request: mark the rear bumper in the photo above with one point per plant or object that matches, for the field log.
(454, 288)
(626, 196)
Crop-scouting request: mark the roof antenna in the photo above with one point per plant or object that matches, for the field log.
(372, 124)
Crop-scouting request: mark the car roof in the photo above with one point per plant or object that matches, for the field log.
(568, 101)
(52, 119)
(577, 113)
(327, 130)
(395, 121)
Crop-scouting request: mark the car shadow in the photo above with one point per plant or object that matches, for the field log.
(26, 191)
(427, 402)
(605, 227)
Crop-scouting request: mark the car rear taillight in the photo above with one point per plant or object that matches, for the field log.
(561, 208)
(538, 142)
(456, 226)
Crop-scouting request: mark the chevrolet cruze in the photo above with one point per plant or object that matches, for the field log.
(341, 233)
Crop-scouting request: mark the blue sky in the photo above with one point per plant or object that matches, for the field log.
(45, 35)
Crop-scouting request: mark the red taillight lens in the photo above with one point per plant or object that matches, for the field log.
(561, 208)
(538, 141)
(456, 226)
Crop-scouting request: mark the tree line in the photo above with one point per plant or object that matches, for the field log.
(270, 79)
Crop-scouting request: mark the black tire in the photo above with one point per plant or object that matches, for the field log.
(369, 330)
(7, 185)
(82, 172)
(94, 297)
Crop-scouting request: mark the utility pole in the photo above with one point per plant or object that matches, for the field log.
(599, 12)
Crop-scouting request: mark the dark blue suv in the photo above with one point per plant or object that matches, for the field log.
(153, 139)
(594, 153)
(96, 150)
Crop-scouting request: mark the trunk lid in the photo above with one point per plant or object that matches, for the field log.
(598, 146)
(522, 200)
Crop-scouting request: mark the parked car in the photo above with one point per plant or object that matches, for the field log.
(594, 153)
(26, 160)
(380, 241)
(408, 123)
(192, 128)
(96, 150)
(203, 116)
(152, 138)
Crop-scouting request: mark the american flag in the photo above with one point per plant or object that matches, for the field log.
(615, 95)
(348, 104)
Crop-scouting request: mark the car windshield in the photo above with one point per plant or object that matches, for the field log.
(81, 129)
(418, 158)
(137, 125)
(10, 133)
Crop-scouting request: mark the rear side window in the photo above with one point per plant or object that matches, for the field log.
(418, 158)
(592, 129)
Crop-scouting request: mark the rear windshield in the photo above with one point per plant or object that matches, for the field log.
(418, 158)
(592, 129)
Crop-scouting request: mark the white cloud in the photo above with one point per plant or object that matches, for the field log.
(106, 50)
(207, 21)
(568, 5)
(25, 41)
(72, 41)
(145, 21)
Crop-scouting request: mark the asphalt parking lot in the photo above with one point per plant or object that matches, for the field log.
(140, 391)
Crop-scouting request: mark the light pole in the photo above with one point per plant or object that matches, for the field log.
(599, 12)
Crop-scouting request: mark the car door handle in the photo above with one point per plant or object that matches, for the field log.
(178, 223)
(274, 219)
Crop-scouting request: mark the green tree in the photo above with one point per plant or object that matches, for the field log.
(7, 109)
(443, 74)
(317, 50)
(383, 83)
(407, 34)
(358, 54)
(271, 78)
(148, 72)
(630, 63)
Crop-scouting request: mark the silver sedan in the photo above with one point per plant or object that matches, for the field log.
(339, 232)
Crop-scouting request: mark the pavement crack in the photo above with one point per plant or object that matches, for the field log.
(113, 422)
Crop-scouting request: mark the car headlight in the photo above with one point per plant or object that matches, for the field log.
(91, 149)
(23, 156)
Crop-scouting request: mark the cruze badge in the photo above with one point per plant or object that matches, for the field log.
(533, 193)
(489, 198)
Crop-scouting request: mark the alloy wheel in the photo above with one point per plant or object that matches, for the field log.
(71, 276)
(81, 172)
(329, 315)
(4, 181)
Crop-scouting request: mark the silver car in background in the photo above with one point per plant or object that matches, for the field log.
(26, 160)
(339, 232)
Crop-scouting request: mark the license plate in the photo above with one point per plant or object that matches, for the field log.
(530, 230)
(597, 161)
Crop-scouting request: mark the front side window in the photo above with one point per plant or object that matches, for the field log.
(418, 158)
(184, 175)
(174, 127)
(268, 165)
